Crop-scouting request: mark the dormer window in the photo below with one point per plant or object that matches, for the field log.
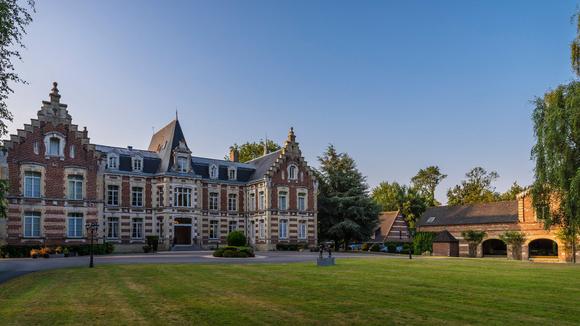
(112, 161)
(54, 144)
(292, 172)
(232, 173)
(213, 171)
(431, 219)
(182, 165)
(137, 164)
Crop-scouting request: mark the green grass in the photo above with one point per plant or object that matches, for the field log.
(357, 291)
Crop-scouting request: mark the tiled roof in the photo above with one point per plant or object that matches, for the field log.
(445, 236)
(488, 213)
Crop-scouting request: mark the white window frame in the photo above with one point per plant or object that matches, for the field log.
(232, 173)
(214, 171)
(282, 194)
(137, 195)
(302, 230)
(75, 231)
(283, 229)
(113, 227)
(210, 206)
(137, 163)
(182, 164)
(232, 202)
(74, 182)
(214, 229)
(112, 161)
(34, 179)
(232, 226)
(48, 151)
(182, 196)
(34, 229)
(252, 202)
(137, 228)
(113, 192)
(261, 200)
(293, 176)
(301, 201)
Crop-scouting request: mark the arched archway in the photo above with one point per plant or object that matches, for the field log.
(543, 248)
(494, 248)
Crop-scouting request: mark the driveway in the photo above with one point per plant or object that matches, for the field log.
(10, 268)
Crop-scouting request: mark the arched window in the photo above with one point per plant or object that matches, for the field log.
(232, 173)
(54, 144)
(292, 172)
(213, 171)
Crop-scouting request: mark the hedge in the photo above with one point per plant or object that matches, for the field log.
(291, 246)
(423, 241)
(236, 239)
(18, 251)
(234, 252)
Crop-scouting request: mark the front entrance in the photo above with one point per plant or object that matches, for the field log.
(543, 248)
(182, 235)
(494, 247)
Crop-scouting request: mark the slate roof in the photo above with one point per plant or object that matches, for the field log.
(488, 213)
(444, 236)
(262, 164)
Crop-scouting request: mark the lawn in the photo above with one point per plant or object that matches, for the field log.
(357, 291)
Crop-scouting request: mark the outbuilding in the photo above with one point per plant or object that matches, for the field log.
(445, 244)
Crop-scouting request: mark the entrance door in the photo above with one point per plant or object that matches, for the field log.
(182, 235)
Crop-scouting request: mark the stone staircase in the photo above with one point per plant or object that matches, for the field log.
(185, 248)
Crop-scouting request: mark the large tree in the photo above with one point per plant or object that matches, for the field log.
(512, 192)
(426, 181)
(253, 150)
(477, 188)
(556, 188)
(345, 210)
(387, 195)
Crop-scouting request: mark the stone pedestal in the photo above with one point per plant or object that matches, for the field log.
(325, 261)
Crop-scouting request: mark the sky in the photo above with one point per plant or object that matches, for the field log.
(398, 85)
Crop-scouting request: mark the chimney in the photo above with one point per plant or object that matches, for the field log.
(234, 154)
(130, 148)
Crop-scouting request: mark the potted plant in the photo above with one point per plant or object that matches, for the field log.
(44, 252)
(34, 253)
(65, 252)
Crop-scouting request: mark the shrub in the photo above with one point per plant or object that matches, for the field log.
(14, 251)
(473, 238)
(234, 252)
(153, 242)
(423, 241)
(34, 253)
(375, 247)
(236, 238)
(44, 252)
(514, 239)
(365, 247)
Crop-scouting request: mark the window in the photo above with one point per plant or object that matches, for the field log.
(302, 230)
(182, 165)
(137, 228)
(35, 148)
(32, 184)
(113, 228)
(112, 161)
(160, 196)
(232, 202)
(113, 195)
(32, 224)
(213, 229)
(232, 226)
(182, 197)
(282, 200)
(283, 229)
(252, 202)
(232, 173)
(75, 225)
(137, 196)
(431, 219)
(75, 187)
(213, 201)
(137, 164)
(292, 172)
(72, 151)
(261, 200)
(301, 201)
(213, 172)
(54, 146)
(261, 230)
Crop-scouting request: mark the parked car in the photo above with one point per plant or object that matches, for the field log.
(355, 246)
(384, 248)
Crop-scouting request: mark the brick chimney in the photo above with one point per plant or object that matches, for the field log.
(234, 154)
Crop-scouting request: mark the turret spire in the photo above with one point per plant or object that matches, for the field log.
(54, 95)
(291, 136)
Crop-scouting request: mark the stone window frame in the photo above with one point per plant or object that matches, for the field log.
(261, 199)
(32, 167)
(286, 223)
(305, 192)
(232, 173)
(108, 227)
(107, 194)
(215, 168)
(137, 160)
(303, 223)
(234, 196)
(251, 205)
(296, 172)
(184, 187)
(178, 158)
(138, 183)
(72, 151)
(61, 145)
(29, 210)
(116, 157)
(71, 171)
(261, 229)
(216, 234)
(235, 225)
(217, 193)
(287, 201)
(134, 222)
(69, 216)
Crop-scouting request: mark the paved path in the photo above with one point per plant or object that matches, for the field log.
(10, 268)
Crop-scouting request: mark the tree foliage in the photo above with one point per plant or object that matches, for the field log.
(14, 18)
(477, 188)
(473, 239)
(345, 210)
(409, 201)
(387, 195)
(556, 189)
(575, 47)
(426, 181)
(512, 192)
(253, 150)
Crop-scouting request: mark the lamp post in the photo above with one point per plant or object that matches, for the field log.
(411, 235)
(92, 227)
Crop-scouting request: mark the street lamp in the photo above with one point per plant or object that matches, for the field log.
(411, 235)
(92, 227)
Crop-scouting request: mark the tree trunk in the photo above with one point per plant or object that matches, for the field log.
(472, 250)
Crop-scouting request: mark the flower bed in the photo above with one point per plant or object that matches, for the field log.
(234, 252)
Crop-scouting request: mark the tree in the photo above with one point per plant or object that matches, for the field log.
(13, 20)
(476, 189)
(345, 210)
(473, 238)
(387, 195)
(514, 240)
(411, 205)
(426, 181)
(250, 151)
(512, 192)
(556, 188)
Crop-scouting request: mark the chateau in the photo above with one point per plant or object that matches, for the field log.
(59, 181)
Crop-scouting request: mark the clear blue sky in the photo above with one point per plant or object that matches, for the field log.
(399, 85)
